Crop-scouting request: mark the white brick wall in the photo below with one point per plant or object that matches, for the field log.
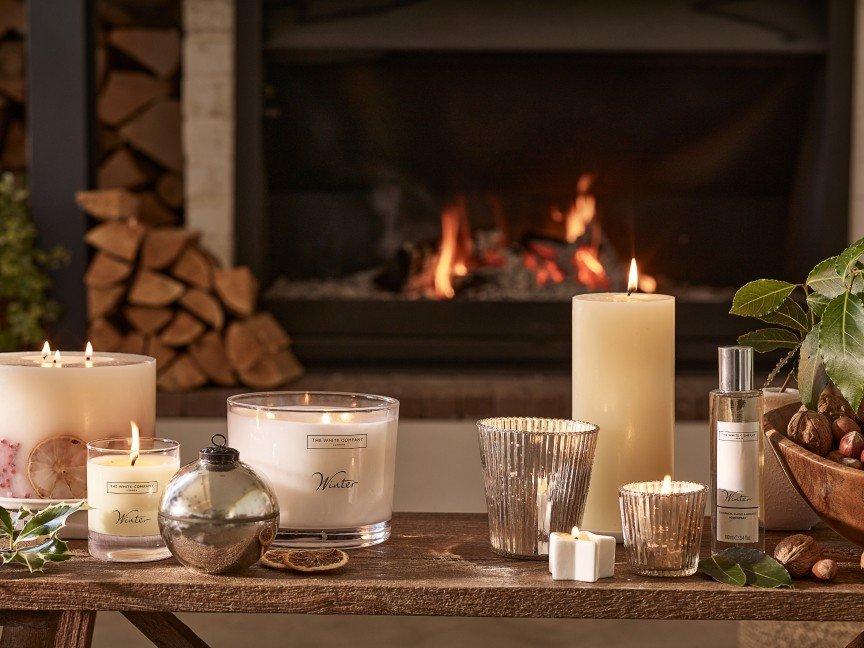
(208, 121)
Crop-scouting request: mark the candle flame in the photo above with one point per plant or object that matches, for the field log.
(666, 486)
(88, 352)
(56, 362)
(633, 277)
(46, 350)
(325, 418)
(135, 448)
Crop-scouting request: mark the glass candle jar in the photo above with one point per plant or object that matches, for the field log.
(662, 526)
(330, 458)
(124, 487)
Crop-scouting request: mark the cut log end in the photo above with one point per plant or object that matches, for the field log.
(209, 354)
(108, 204)
(182, 375)
(182, 331)
(155, 290)
(272, 371)
(237, 288)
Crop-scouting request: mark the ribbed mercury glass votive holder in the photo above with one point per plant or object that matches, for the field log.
(536, 472)
(662, 526)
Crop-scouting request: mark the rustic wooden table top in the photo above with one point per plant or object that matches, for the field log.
(435, 564)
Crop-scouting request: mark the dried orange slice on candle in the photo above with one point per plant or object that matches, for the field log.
(57, 468)
(305, 560)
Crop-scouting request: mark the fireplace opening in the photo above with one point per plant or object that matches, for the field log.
(441, 203)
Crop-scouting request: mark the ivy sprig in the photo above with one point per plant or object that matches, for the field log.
(30, 539)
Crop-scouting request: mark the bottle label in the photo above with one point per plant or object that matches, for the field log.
(738, 490)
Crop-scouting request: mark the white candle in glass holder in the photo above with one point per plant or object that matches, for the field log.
(329, 469)
(85, 396)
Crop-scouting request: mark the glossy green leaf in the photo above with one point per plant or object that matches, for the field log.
(770, 339)
(723, 570)
(760, 569)
(760, 297)
(7, 527)
(848, 258)
(817, 303)
(789, 314)
(824, 279)
(841, 344)
(48, 521)
(812, 378)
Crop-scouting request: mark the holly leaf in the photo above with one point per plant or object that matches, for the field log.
(817, 303)
(812, 378)
(32, 561)
(760, 297)
(848, 258)
(760, 569)
(7, 526)
(824, 279)
(56, 551)
(723, 570)
(48, 521)
(841, 343)
(789, 314)
(770, 339)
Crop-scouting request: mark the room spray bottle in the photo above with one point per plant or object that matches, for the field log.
(737, 517)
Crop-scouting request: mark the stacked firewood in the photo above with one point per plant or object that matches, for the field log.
(13, 26)
(156, 290)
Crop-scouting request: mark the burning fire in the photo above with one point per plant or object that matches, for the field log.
(455, 250)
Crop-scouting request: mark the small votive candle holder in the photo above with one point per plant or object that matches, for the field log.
(662, 526)
(123, 497)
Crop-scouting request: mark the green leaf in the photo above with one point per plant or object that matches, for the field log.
(789, 314)
(770, 339)
(841, 343)
(817, 303)
(812, 378)
(56, 551)
(48, 521)
(848, 258)
(32, 561)
(760, 569)
(7, 526)
(760, 297)
(723, 570)
(824, 279)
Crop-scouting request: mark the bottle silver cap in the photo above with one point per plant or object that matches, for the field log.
(736, 368)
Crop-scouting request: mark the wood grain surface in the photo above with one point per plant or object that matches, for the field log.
(435, 564)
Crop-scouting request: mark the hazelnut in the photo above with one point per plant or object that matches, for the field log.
(833, 405)
(798, 553)
(851, 462)
(842, 426)
(851, 445)
(811, 430)
(835, 456)
(825, 569)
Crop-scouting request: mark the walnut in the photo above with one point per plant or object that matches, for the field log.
(833, 405)
(825, 569)
(811, 430)
(843, 426)
(798, 553)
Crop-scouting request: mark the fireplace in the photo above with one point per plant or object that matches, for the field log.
(429, 183)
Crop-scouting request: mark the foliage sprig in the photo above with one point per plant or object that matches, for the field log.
(30, 539)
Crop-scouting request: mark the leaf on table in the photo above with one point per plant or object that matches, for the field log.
(812, 378)
(841, 344)
(7, 526)
(789, 314)
(817, 303)
(847, 260)
(824, 279)
(770, 339)
(760, 569)
(48, 521)
(723, 570)
(32, 561)
(760, 297)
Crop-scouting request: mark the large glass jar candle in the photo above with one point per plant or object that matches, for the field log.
(330, 458)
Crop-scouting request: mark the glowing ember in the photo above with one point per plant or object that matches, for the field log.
(589, 270)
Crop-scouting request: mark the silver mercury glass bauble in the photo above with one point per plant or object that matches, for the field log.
(217, 515)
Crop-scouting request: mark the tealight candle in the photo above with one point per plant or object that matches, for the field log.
(125, 481)
(662, 526)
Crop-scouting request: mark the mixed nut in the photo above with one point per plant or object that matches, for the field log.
(802, 556)
(833, 431)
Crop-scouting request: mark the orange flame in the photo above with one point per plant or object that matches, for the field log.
(581, 211)
(589, 270)
(455, 250)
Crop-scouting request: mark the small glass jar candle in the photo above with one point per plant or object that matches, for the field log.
(662, 526)
(330, 458)
(125, 481)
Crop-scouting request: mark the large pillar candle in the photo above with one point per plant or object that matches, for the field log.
(53, 404)
(624, 382)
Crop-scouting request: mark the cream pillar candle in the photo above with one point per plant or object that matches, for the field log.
(624, 382)
(72, 398)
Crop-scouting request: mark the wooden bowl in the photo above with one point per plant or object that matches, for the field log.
(834, 491)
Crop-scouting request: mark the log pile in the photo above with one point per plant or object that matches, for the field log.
(13, 27)
(154, 289)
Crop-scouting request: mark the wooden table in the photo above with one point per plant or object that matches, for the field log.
(435, 564)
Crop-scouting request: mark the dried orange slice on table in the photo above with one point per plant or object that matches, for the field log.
(305, 560)
(57, 468)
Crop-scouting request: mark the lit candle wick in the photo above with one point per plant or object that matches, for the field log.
(88, 355)
(666, 486)
(135, 448)
(632, 278)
